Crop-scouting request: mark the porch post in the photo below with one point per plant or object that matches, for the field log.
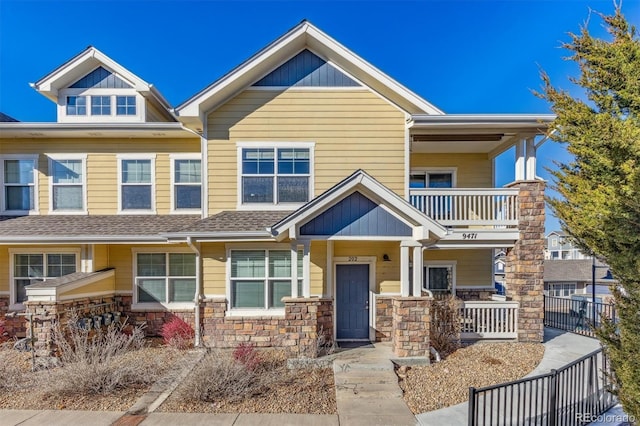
(417, 271)
(530, 159)
(294, 269)
(306, 270)
(520, 160)
(404, 269)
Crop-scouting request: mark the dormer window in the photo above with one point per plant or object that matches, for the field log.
(125, 105)
(76, 105)
(100, 105)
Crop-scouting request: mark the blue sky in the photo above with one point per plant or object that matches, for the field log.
(463, 56)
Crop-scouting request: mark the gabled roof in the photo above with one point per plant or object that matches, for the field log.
(87, 61)
(302, 36)
(578, 270)
(424, 228)
(4, 118)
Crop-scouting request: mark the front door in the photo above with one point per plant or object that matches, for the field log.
(352, 302)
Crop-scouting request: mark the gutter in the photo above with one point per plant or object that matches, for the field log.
(198, 295)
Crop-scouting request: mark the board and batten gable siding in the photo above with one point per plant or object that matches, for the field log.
(474, 267)
(473, 170)
(102, 166)
(351, 129)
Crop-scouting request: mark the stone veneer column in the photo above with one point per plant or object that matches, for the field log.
(411, 323)
(525, 262)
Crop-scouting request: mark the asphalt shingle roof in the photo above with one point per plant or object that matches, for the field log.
(237, 221)
(4, 118)
(99, 225)
(67, 279)
(578, 270)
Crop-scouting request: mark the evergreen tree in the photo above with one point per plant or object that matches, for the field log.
(599, 203)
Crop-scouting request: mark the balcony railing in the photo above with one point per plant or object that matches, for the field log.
(468, 207)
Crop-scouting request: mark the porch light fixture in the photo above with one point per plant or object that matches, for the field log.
(385, 258)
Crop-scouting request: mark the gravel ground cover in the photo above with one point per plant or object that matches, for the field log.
(447, 383)
(33, 391)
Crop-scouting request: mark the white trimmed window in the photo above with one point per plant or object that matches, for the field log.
(29, 267)
(261, 278)
(136, 175)
(187, 182)
(67, 177)
(100, 105)
(76, 105)
(275, 175)
(432, 178)
(165, 277)
(440, 277)
(562, 289)
(125, 105)
(19, 184)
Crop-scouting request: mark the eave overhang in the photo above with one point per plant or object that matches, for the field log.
(156, 130)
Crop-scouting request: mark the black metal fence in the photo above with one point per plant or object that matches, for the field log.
(572, 395)
(576, 314)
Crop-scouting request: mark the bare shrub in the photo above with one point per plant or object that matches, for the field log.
(224, 376)
(445, 325)
(13, 375)
(99, 361)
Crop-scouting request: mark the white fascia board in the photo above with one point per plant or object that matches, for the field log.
(480, 120)
(89, 239)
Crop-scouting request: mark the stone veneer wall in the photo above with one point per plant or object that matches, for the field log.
(153, 318)
(525, 262)
(411, 323)
(306, 325)
(470, 294)
(15, 326)
(384, 319)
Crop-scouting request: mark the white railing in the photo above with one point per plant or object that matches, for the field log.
(489, 320)
(460, 206)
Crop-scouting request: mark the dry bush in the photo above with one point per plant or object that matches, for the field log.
(223, 376)
(445, 325)
(13, 375)
(99, 361)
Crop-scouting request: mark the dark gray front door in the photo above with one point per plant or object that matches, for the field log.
(352, 297)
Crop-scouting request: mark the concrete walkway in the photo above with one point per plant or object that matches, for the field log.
(561, 348)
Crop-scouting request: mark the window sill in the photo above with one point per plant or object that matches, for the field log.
(154, 307)
(255, 313)
(17, 307)
(68, 212)
(135, 212)
(268, 206)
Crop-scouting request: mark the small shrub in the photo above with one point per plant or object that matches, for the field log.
(445, 325)
(246, 354)
(177, 333)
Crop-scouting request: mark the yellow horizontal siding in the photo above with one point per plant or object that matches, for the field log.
(473, 170)
(4, 269)
(351, 130)
(102, 163)
(214, 272)
(121, 258)
(387, 273)
(101, 257)
(105, 284)
(473, 267)
(318, 261)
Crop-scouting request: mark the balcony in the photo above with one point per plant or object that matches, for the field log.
(464, 207)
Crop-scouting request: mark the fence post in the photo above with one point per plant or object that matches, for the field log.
(472, 407)
(553, 397)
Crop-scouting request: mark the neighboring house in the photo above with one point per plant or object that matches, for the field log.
(303, 192)
(4, 118)
(563, 278)
(499, 271)
(559, 246)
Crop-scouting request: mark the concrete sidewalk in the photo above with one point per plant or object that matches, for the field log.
(561, 348)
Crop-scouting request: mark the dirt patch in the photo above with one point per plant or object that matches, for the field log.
(447, 383)
(32, 389)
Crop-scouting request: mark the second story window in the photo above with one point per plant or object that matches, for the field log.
(76, 105)
(19, 182)
(136, 183)
(187, 183)
(100, 105)
(435, 179)
(67, 184)
(125, 105)
(280, 175)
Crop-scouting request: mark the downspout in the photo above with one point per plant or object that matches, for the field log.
(198, 296)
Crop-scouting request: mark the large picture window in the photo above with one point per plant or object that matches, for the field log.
(261, 278)
(136, 184)
(18, 179)
(31, 267)
(67, 184)
(280, 175)
(165, 277)
(187, 183)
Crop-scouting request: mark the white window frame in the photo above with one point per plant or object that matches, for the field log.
(152, 158)
(3, 184)
(57, 157)
(88, 93)
(157, 305)
(275, 146)
(440, 264)
(115, 104)
(264, 247)
(13, 305)
(66, 103)
(172, 159)
(435, 170)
